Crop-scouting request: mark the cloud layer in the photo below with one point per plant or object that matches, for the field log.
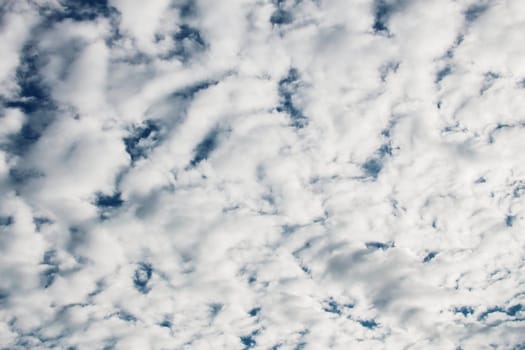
(181, 174)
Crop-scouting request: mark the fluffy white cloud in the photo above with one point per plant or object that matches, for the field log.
(16, 24)
(267, 175)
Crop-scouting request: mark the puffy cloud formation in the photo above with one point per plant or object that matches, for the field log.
(179, 174)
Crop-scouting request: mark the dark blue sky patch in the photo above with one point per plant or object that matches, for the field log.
(68, 53)
(24, 341)
(189, 33)
(385, 150)
(474, 11)
(520, 346)
(142, 139)
(110, 343)
(159, 37)
(215, 308)
(270, 199)
(188, 42)
(36, 338)
(254, 312)
(33, 98)
(480, 180)
(509, 220)
(488, 81)
(502, 126)
(442, 73)
(332, 307)
(6, 220)
(248, 341)
(288, 87)
(379, 245)
(165, 324)
(464, 310)
(451, 51)
(498, 128)
(306, 269)
(33, 94)
(429, 256)
(510, 311)
(459, 39)
(47, 277)
(99, 288)
(231, 208)
(281, 17)
(370, 324)
(513, 310)
(302, 334)
(291, 77)
(519, 190)
(288, 230)
(135, 58)
(190, 91)
(79, 10)
(388, 68)
(203, 150)
(382, 13)
(387, 132)
(300, 346)
(142, 276)
(304, 247)
(41, 221)
(104, 201)
(126, 316)
(4, 295)
(372, 167)
(30, 133)
(49, 258)
(187, 8)
(489, 311)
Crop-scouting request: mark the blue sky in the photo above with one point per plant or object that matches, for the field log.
(199, 174)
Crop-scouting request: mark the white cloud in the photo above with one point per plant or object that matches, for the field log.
(143, 22)
(15, 27)
(267, 175)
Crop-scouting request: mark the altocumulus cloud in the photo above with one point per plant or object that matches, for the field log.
(273, 174)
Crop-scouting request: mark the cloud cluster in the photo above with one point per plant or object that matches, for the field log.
(199, 174)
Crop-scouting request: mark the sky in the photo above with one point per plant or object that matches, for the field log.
(262, 174)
